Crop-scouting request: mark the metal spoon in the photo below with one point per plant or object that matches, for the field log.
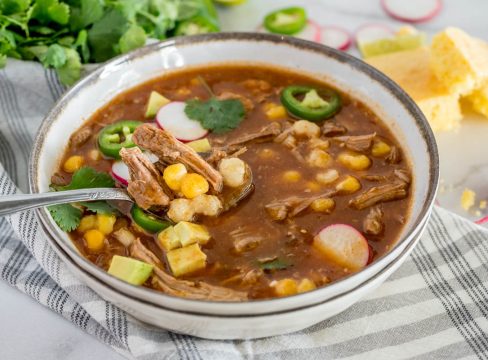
(14, 203)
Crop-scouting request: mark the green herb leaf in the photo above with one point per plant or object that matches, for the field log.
(66, 216)
(217, 115)
(82, 44)
(3, 60)
(47, 11)
(55, 56)
(88, 13)
(9, 7)
(88, 177)
(70, 72)
(99, 207)
(106, 32)
(276, 264)
(133, 38)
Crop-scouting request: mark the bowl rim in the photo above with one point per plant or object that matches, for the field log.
(389, 85)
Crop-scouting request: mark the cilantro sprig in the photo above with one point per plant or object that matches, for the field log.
(68, 216)
(64, 34)
(216, 115)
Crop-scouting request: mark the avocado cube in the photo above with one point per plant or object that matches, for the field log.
(190, 233)
(156, 102)
(186, 260)
(168, 239)
(133, 271)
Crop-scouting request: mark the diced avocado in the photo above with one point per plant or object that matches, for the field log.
(186, 260)
(202, 145)
(189, 233)
(133, 271)
(168, 239)
(156, 102)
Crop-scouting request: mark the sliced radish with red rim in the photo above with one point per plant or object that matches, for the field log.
(172, 118)
(372, 32)
(335, 37)
(343, 245)
(311, 31)
(120, 172)
(413, 11)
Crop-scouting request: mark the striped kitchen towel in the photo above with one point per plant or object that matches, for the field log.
(434, 306)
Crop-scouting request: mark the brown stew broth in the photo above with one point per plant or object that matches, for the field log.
(268, 162)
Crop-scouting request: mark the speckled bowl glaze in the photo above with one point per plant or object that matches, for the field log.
(257, 318)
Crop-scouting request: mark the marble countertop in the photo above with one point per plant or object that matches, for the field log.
(29, 330)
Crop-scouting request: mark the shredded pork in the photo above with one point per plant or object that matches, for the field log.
(166, 147)
(145, 183)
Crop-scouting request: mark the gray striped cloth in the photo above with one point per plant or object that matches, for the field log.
(434, 306)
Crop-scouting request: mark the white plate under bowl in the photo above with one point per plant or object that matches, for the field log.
(347, 73)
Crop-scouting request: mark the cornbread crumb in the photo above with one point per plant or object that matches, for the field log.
(482, 204)
(459, 61)
(468, 199)
(411, 70)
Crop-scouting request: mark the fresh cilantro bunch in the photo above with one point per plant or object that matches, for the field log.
(64, 34)
(68, 216)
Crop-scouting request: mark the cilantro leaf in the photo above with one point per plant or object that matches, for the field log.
(8, 7)
(71, 70)
(3, 60)
(47, 11)
(217, 115)
(133, 38)
(86, 14)
(276, 264)
(106, 32)
(99, 207)
(66, 216)
(82, 43)
(55, 56)
(88, 177)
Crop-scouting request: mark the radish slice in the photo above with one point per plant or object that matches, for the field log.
(152, 157)
(413, 11)
(343, 245)
(335, 37)
(173, 119)
(120, 172)
(372, 32)
(311, 31)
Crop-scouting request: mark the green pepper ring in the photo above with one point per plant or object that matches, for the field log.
(110, 148)
(288, 29)
(147, 221)
(295, 107)
(203, 22)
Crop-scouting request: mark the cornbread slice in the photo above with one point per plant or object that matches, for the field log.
(459, 61)
(411, 70)
(479, 100)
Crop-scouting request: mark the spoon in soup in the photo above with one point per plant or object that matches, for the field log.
(11, 204)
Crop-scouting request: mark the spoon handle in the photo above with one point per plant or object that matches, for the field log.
(14, 203)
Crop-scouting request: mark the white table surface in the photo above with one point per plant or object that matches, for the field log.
(28, 330)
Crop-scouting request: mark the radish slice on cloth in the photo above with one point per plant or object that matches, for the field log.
(311, 31)
(120, 172)
(335, 37)
(173, 119)
(413, 11)
(372, 32)
(343, 245)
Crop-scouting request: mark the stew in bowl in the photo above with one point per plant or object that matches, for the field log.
(249, 182)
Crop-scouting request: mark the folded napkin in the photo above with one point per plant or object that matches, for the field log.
(434, 306)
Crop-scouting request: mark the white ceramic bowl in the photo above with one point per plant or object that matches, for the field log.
(219, 320)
